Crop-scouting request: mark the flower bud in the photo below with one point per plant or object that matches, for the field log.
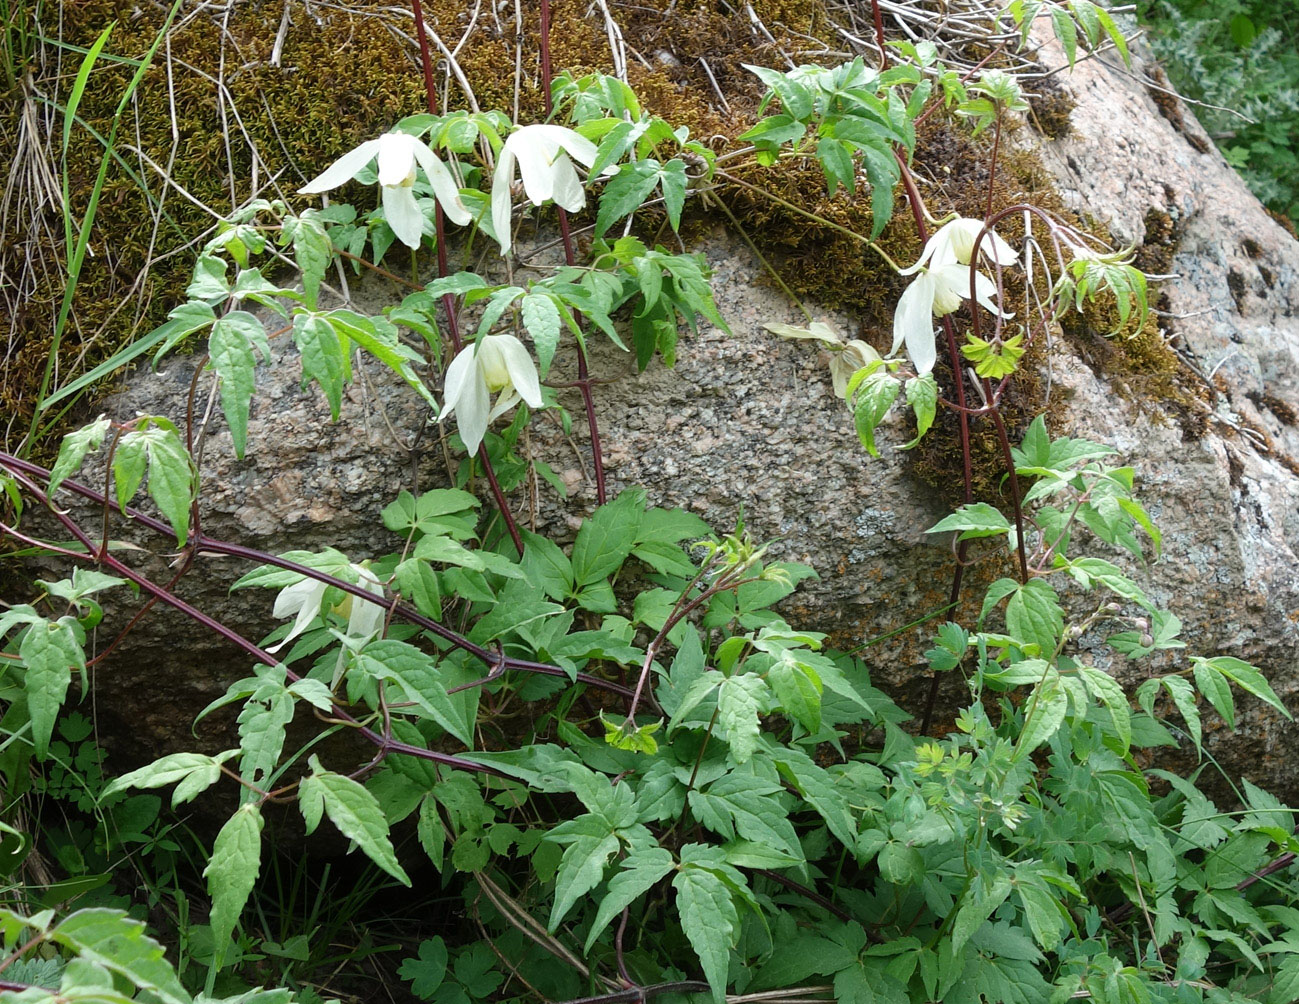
(1141, 624)
(1147, 641)
(1112, 608)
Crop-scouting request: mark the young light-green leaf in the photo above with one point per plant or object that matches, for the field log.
(356, 813)
(232, 872)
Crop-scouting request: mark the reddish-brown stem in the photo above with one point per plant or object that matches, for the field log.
(583, 382)
(448, 301)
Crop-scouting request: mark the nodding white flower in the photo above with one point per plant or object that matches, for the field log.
(496, 364)
(953, 244)
(543, 153)
(364, 618)
(855, 355)
(398, 155)
(936, 291)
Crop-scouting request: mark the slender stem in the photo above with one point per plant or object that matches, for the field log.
(1009, 460)
(992, 168)
(448, 301)
(210, 545)
(570, 257)
(879, 34)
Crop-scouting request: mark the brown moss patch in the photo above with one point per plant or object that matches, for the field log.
(1050, 108)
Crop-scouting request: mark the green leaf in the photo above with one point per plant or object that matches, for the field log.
(1047, 708)
(582, 867)
(639, 872)
(986, 893)
(118, 943)
(311, 248)
(426, 972)
(74, 448)
(324, 357)
(193, 773)
(172, 479)
(975, 519)
(1249, 679)
(707, 910)
(1034, 616)
(234, 337)
(379, 338)
(922, 395)
(625, 192)
(1214, 686)
(607, 537)
(856, 985)
(1107, 689)
(541, 319)
(354, 810)
(798, 689)
(874, 397)
(418, 679)
(232, 872)
(746, 805)
(740, 699)
(50, 650)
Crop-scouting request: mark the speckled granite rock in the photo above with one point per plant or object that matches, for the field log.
(749, 420)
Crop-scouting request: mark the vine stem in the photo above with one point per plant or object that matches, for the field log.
(205, 544)
(449, 301)
(583, 381)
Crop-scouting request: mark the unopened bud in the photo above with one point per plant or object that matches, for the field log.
(1075, 632)
(1112, 608)
(1147, 641)
(1141, 624)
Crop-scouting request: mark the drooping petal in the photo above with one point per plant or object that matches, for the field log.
(931, 246)
(444, 186)
(951, 287)
(457, 379)
(508, 399)
(342, 170)
(396, 157)
(304, 599)
(403, 214)
(466, 393)
(522, 370)
(915, 311)
(985, 292)
(922, 348)
(501, 197)
(997, 250)
(568, 191)
(535, 156)
(578, 146)
(366, 617)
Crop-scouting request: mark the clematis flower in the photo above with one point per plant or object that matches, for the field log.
(496, 364)
(935, 292)
(304, 599)
(855, 355)
(398, 155)
(543, 153)
(954, 244)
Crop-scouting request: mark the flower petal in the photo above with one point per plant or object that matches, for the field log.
(396, 157)
(578, 146)
(466, 392)
(915, 311)
(951, 287)
(997, 250)
(501, 197)
(922, 347)
(507, 400)
(457, 380)
(522, 370)
(568, 191)
(304, 597)
(444, 186)
(403, 214)
(342, 170)
(985, 291)
(367, 617)
(535, 157)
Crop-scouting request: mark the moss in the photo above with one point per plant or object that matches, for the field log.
(1050, 107)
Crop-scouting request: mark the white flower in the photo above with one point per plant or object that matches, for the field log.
(954, 244)
(855, 355)
(364, 618)
(398, 154)
(936, 291)
(497, 363)
(543, 153)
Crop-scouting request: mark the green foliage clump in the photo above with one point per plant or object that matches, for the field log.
(1241, 59)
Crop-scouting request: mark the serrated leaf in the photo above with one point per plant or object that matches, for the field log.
(324, 357)
(1046, 711)
(541, 319)
(1034, 616)
(607, 537)
(157, 448)
(1107, 689)
(74, 448)
(625, 192)
(975, 519)
(708, 917)
(50, 650)
(356, 813)
(1214, 686)
(638, 873)
(232, 872)
(111, 940)
(740, 699)
(193, 772)
(312, 251)
(582, 867)
(416, 675)
(922, 396)
(799, 692)
(873, 399)
(1249, 679)
(234, 337)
